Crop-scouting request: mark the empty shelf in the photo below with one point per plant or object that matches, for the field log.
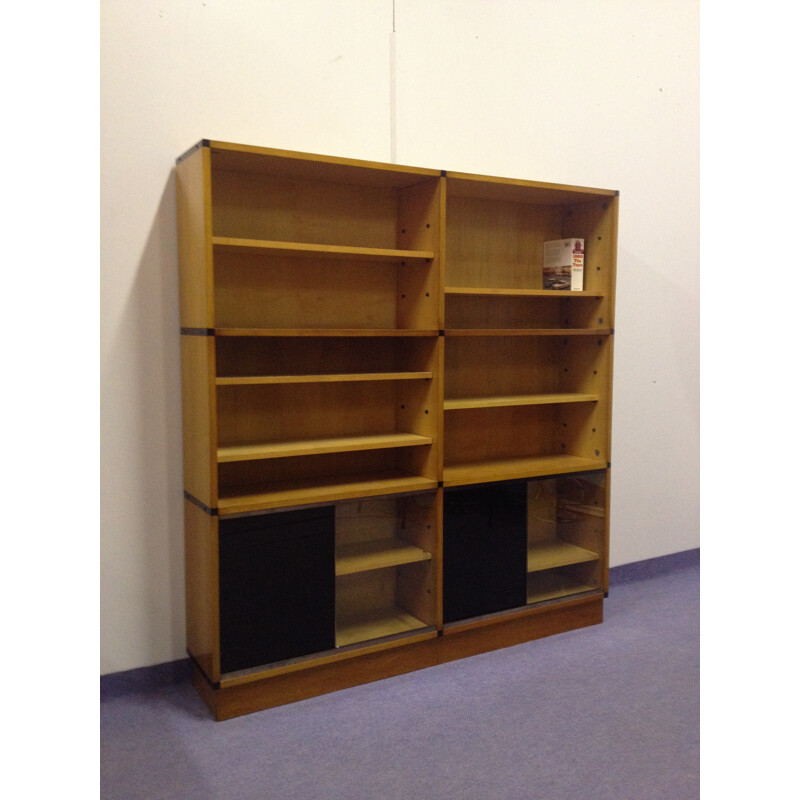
(364, 556)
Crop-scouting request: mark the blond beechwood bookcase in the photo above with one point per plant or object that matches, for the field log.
(396, 443)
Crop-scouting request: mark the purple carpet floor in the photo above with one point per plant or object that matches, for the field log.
(609, 712)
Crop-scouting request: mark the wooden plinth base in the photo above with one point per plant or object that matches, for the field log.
(457, 641)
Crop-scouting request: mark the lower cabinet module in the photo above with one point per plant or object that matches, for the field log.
(396, 441)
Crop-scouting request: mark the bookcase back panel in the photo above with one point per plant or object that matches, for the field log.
(272, 292)
(486, 434)
(347, 356)
(251, 414)
(253, 476)
(500, 433)
(498, 244)
(471, 311)
(477, 366)
(278, 208)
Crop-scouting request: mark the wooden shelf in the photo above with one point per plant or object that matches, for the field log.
(374, 625)
(499, 292)
(344, 377)
(456, 404)
(556, 553)
(379, 554)
(311, 447)
(527, 332)
(323, 332)
(323, 490)
(333, 252)
(509, 469)
(552, 586)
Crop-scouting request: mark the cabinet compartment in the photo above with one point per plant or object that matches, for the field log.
(484, 550)
(511, 544)
(295, 443)
(489, 366)
(285, 359)
(255, 289)
(277, 588)
(567, 539)
(496, 231)
(519, 309)
(518, 406)
(495, 234)
(264, 197)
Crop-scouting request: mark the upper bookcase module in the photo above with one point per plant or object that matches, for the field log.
(300, 242)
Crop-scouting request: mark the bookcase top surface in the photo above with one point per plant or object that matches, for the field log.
(296, 164)
(228, 155)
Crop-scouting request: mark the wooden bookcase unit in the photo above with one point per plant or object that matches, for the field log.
(396, 443)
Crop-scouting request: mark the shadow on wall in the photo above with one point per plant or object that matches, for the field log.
(145, 358)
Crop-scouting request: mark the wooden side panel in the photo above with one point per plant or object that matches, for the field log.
(199, 418)
(192, 186)
(596, 222)
(419, 228)
(201, 534)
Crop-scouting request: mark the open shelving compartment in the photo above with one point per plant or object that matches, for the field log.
(327, 415)
(303, 244)
(566, 536)
(519, 406)
(385, 567)
(495, 233)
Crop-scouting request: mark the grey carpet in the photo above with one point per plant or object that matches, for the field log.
(609, 712)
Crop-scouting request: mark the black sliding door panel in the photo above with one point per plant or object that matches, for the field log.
(277, 587)
(485, 549)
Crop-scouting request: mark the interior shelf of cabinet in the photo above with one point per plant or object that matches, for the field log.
(510, 468)
(455, 404)
(374, 624)
(322, 489)
(550, 553)
(527, 331)
(501, 292)
(309, 447)
(365, 556)
(553, 586)
(333, 252)
(324, 332)
(344, 377)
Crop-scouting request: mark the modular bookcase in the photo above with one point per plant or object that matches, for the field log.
(396, 442)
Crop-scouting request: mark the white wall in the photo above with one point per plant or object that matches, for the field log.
(591, 92)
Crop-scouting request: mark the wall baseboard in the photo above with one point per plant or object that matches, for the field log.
(653, 567)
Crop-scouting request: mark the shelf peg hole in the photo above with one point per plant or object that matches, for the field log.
(597, 452)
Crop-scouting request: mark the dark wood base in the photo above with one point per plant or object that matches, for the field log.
(457, 641)
(481, 636)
